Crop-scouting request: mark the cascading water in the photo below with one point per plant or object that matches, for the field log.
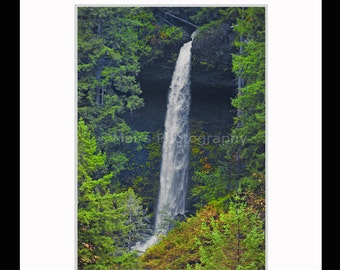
(175, 155)
(173, 177)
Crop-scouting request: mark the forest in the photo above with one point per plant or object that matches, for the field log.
(126, 57)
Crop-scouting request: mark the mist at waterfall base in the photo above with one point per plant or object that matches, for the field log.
(175, 152)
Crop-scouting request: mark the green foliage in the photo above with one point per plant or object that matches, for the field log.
(251, 64)
(113, 42)
(208, 182)
(208, 28)
(94, 202)
(251, 23)
(246, 156)
(207, 15)
(216, 238)
(234, 241)
(208, 186)
(108, 223)
(168, 34)
(110, 44)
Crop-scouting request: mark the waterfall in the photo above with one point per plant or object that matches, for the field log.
(175, 152)
(174, 169)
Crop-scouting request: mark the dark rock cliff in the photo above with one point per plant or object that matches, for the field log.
(211, 59)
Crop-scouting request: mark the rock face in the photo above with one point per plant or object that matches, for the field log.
(201, 76)
(213, 101)
(211, 59)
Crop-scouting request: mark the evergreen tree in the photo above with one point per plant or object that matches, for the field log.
(246, 155)
(108, 223)
(234, 241)
(113, 42)
(95, 239)
(109, 47)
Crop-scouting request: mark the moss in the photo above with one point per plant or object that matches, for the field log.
(208, 65)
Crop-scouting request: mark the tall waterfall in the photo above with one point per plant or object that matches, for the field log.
(175, 153)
